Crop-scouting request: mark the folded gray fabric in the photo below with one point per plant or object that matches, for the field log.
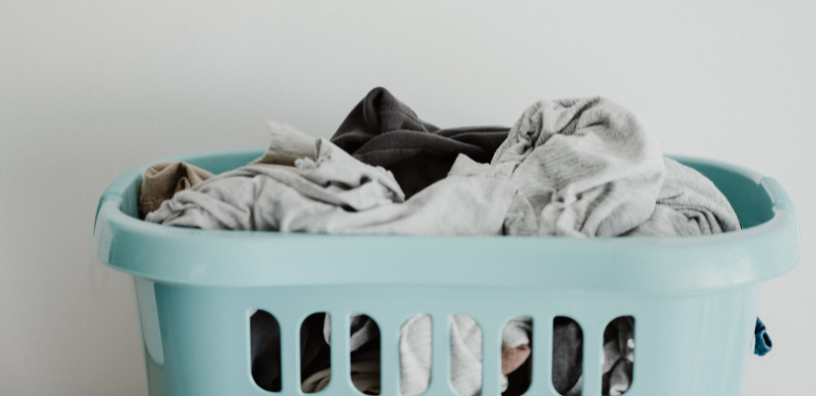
(587, 167)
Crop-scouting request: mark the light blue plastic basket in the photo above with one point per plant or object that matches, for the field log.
(694, 300)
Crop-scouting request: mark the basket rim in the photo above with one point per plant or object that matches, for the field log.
(642, 265)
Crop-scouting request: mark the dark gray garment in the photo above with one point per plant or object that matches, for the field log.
(567, 354)
(315, 354)
(265, 350)
(382, 131)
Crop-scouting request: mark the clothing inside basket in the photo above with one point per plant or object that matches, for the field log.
(573, 167)
(582, 168)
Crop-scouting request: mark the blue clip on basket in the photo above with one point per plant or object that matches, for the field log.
(694, 299)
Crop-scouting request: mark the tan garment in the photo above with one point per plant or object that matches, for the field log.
(513, 358)
(276, 166)
(163, 180)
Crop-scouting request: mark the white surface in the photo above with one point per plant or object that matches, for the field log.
(91, 88)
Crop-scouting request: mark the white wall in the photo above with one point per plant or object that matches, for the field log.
(91, 88)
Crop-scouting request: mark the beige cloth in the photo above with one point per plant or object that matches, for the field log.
(513, 358)
(163, 180)
(276, 166)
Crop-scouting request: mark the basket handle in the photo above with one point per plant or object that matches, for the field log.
(781, 201)
(116, 190)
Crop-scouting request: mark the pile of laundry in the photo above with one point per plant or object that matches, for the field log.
(577, 167)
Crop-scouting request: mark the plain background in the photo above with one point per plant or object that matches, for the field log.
(91, 88)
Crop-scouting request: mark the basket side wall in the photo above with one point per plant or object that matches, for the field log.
(684, 345)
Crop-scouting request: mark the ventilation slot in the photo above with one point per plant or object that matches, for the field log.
(517, 356)
(315, 353)
(265, 350)
(364, 346)
(567, 355)
(415, 354)
(466, 355)
(619, 355)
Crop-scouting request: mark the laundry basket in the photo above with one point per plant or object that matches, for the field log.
(694, 299)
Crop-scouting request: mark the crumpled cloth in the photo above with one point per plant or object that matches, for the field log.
(688, 204)
(382, 131)
(163, 180)
(587, 167)
(584, 167)
(338, 194)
